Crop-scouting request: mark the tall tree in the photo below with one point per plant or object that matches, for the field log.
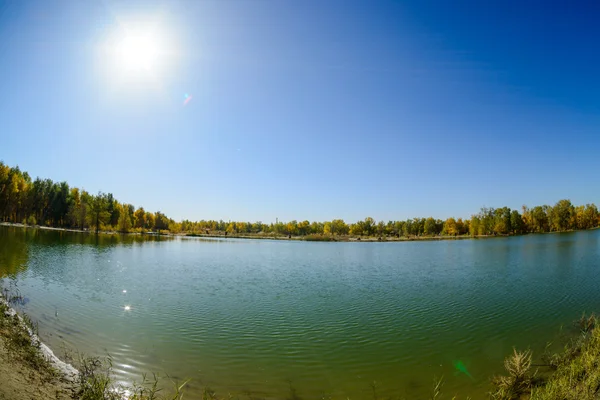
(516, 222)
(98, 210)
(562, 215)
(124, 222)
(140, 218)
(430, 227)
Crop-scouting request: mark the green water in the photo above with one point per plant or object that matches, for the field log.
(254, 318)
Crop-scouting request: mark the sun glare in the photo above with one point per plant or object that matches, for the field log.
(137, 52)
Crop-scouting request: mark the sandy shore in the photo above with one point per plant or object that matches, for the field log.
(20, 378)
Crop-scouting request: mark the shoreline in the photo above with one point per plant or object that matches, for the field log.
(66, 370)
(31, 369)
(306, 238)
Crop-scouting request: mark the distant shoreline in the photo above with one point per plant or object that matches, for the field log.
(307, 238)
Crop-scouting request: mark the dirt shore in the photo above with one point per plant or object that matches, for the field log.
(28, 369)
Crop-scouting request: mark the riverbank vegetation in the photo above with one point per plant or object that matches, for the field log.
(56, 204)
(24, 372)
(573, 374)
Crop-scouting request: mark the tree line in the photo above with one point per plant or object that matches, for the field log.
(56, 204)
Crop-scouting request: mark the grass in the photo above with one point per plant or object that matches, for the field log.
(96, 383)
(519, 378)
(577, 370)
(19, 343)
(96, 380)
(573, 374)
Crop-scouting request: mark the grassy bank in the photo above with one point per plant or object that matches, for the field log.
(28, 371)
(572, 374)
(24, 370)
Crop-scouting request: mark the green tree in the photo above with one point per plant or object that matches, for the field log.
(474, 225)
(368, 226)
(78, 208)
(516, 222)
(339, 227)
(561, 215)
(430, 227)
(112, 207)
(357, 228)
(161, 222)
(539, 219)
(97, 210)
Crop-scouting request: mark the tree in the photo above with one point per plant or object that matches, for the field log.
(150, 221)
(368, 226)
(357, 228)
(230, 228)
(380, 228)
(78, 208)
(516, 222)
(124, 222)
(562, 215)
(590, 216)
(60, 203)
(139, 218)
(113, 209)
(97, 210)
(161, 222)
(474, 225)
(430, 227)
(462, 227)
(303, 227)
(399, 227)
(51, 203)
(450, 227)
(339, 227)
(539, 219)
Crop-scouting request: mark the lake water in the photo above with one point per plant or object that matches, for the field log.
(262, 319)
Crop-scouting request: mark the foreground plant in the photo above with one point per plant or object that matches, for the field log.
(19, 341)
(96, 383)
(577, 375)
(519, 378)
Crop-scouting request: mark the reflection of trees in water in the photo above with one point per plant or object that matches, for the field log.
(14, 252)
(53, 237)
(16, 243)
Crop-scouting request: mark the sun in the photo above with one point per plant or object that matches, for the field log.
(138, 51)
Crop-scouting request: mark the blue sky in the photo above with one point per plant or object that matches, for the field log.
(307, 109)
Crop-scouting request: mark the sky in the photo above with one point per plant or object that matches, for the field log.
(314, 109)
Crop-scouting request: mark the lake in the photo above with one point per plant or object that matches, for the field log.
(267, 319)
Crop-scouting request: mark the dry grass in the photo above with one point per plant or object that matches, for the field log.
(519, 378)
(19, 343)
(575, 371)
(96, 383)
